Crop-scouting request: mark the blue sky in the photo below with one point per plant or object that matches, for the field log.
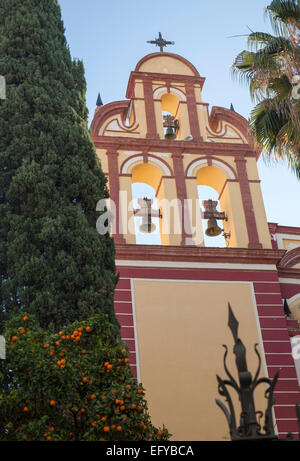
(110, 38)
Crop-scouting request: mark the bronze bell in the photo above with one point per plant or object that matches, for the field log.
(170, 133)
(213, 230)
(147, 227)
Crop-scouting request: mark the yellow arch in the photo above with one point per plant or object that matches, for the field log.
(148, 174)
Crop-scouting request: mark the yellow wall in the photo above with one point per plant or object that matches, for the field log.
(295, 309)
(180, 351)
(260, 216)
(289, 244)
(163, 64)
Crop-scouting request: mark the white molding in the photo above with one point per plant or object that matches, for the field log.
(202, 163)
(140, 160)
(279, 237)
(159, 92)
(192, 265)
(129, 162)
(293, 281)
(294, 298)
(225, 168)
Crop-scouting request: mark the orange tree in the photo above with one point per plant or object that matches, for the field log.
(72, 385)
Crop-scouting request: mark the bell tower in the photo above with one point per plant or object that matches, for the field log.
(171, 299)
(163, 135)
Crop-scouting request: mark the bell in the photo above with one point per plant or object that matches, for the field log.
(147, 227)
(170, 133)
(213, 230)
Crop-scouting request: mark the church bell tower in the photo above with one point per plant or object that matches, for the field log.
(172, 297)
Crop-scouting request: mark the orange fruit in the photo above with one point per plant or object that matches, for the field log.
(25, 318)
(14, 338)
(52, 403)
(92, 397)
(88, 329)
(106, 428)
(83, 351)
(26, 409)
(140, 391)
(119, 428)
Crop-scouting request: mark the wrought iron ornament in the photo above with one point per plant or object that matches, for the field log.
(250, 426)
(161, 42)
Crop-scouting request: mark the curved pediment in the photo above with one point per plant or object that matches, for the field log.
(166, 63)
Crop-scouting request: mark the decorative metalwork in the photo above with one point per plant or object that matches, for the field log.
(161, 42)
(250, 426)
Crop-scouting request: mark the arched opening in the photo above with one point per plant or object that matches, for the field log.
(169, 111)
(210, 182)
(145, 182)
(207, 193)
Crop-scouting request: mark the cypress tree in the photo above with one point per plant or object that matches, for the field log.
(53, 263)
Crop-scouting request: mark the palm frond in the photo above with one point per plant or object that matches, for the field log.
(282, 13)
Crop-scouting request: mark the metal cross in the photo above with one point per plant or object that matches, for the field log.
(161, 42)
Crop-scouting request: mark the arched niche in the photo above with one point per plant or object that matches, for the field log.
(221, 177)
(145, 181)
(205, 193)
(172, 101)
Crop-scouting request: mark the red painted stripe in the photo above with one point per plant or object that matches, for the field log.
(127, 332)
(275, 347)
(286, 385)
(124, 284)
(285, 425)
(130, 343)
(122, 295)
(198, 274)
(284, 372)
(123, 308)
(125, 320)
(286, 398)
(270, 311)
(268, 299)
(279, 359)
(285, 412)
(132, 358)
(273, 335)
(272, 323)
(267, 287)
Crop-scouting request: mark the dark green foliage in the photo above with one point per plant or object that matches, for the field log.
(52, 260)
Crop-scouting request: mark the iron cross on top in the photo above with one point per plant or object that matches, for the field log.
(161, 42)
